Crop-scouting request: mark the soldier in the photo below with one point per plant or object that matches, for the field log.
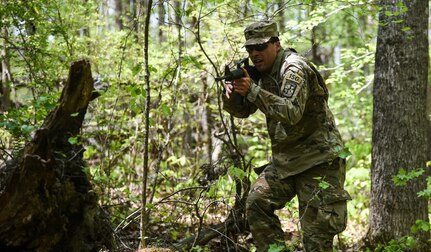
(305, 143)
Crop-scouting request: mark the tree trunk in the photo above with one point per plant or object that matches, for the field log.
(47, 202)
(399, 121)
(429, 124)
(85, 31)
(134, 5)
(161, 22)
(145, 172)
(6, 78)
(206, 122)
(178, 24)
(245, 9)
(119, 14)
(319, 55)
(281, 16)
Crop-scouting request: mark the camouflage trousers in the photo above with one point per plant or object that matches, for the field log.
(322, 205)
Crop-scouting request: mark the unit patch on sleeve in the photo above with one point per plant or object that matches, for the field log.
(292, 83)
(292, 76)
(289, 89)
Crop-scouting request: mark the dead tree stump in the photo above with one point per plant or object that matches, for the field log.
(46, 200)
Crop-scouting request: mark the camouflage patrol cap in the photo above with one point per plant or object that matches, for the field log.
(260, 32)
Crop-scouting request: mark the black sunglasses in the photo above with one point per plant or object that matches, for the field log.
(258, 47)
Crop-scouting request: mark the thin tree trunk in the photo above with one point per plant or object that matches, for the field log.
(144, 215)
(6, 77)
(317, 35)
(245, 9)
(282, 18)
(119, 14)
(135, 8)
(85, 31)
(429, 124)
(314, 46)
(161, 23)
(399, 122)
(128, 12)
(177, 20)
(206, 121)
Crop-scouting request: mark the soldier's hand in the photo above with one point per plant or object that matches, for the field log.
(242, 85)
(228, 89)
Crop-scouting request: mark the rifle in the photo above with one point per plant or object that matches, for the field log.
(230, 75)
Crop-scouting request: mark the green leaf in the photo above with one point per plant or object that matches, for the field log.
(134, 90)
(427, 192)
(191, 59)
(27, 128)
(137, 69)
(152, 68)
(74, 114)
(411, 242)
(403, 177)
(423, 225)
(324, 185)
(73, 140)
(344, 153)
(166, 110)
(276, 248)
(149, 206)
(174, 235)
(152, 121)
(237, 173)
(211, 192)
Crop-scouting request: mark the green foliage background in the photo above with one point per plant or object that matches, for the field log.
(185, 110)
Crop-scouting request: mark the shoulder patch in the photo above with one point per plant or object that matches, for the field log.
(289, 90)
(294, 76)
(292, 82)
(294, 68)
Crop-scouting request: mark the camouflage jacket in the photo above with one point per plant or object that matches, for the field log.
(294, 99)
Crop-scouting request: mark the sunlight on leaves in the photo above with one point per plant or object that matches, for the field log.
(403, 177)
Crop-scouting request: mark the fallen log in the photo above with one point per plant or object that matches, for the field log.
(46, 200)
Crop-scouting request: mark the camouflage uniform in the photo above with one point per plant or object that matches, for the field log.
(305, 146)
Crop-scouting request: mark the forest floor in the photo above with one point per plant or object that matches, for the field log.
(163, 236)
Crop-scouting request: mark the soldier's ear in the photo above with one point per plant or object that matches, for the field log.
(277, 45)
